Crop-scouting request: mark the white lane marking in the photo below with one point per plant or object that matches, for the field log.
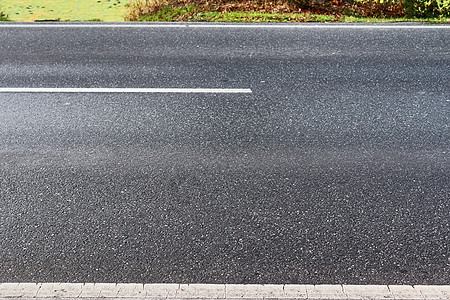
(125, 90)
(221, 291)
(215, 25)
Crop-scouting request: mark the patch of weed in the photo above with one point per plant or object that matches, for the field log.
(3, 16)
(170, 14)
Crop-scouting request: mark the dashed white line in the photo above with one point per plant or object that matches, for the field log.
(125, 90)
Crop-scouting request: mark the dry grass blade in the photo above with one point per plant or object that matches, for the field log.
(139, 8)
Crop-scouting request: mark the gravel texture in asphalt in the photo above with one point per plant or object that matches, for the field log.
(334, 170)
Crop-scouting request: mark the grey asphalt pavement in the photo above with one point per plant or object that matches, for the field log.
(334, 170)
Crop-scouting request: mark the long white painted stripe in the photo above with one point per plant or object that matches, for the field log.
(124, 90)
(224, 25)
(222, 291)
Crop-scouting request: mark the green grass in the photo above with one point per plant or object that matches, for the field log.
(257, 17)
(195, 14)
(64, 10)
(352, 19)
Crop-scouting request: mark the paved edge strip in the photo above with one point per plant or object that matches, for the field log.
(214, 25)
(125, 90)
(220, 291)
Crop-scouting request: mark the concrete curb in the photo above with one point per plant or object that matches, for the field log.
(220, 291)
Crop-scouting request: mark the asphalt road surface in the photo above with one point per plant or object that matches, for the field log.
(335, 169)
